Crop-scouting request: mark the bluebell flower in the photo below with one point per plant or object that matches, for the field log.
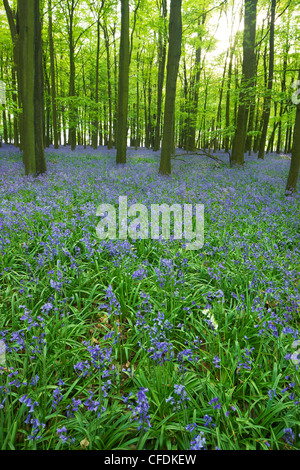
(198, 443)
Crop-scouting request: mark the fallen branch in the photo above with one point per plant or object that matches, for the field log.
(203, 153)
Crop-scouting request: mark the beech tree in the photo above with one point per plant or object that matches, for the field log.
(123, 84)
(248, 75)
(295, 161)
(267, 100)
(162, 52)
(31, 85)
(175, 37)
(12, 21)
(52, 72)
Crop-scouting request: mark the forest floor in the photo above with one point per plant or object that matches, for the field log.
(124, 344)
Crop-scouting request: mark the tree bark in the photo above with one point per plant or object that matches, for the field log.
(30, 62)
(96, 119)
(52, 74)
(248, 74)
(195, 84)
(162, 53)
(109, 91)
(295, 161)
(72, 93)
(175, 37)
(12, 21)
(123, 84)
(267, 100)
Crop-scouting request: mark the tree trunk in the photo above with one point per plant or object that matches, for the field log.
(295, 162)
(73, 117)
(96, 119)
(52, 74)
(123, 84)
(227, 112)
(107, 47)
(283, 91)
(248, 74)
(162, 53)
(175, 36)
(30, 61)
(193, 106)
(267, 100)
(13, 26)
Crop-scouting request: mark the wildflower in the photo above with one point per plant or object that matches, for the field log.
(289, 435)
(216, 400)
(191, 427)
(182, 397)
(208, 421)
(198, 442)
(47, 307)
(141, 411)
(216, 361)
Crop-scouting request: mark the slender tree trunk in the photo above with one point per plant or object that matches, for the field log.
(162, 53)
(193, 108)
(295, 162)
(9, 129)
(52, 74)
(73, 117)
(5, 133)
(175, 37)
(227, 111)
(13, 26)
(109, 90)
(123, 84)
(95, 130)
(30, 61)
(248, 73)
(115, 118)
(219, 113)
(15, 100)
(138, 138)
(47, 103)
(283, 90)
(267, 100)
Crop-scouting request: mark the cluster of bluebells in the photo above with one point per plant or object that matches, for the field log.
(169, 272)
(33, 342)
(246, 361)
(73, 407)
(180, 399)
(216, 403)
(155, 332)
(57, 395)
(36, 425)
(140, 274)
(198, 442)
(100, 361)
(94, 405)
(36, 429)
(64, 438)
(290, 390)
(208, 421)
(289, 436)
(183, 357)
(113, 305)
(140, 412)
(216, 362)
